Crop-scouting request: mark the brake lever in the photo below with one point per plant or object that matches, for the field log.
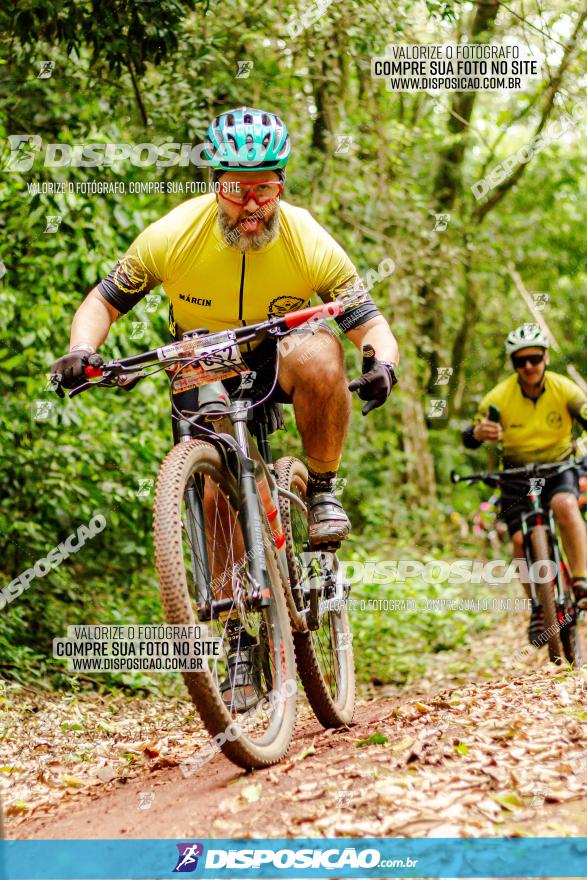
(82, 387)
(107, 378)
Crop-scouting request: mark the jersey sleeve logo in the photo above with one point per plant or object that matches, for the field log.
(172, 325)
(130, 275)
(281, 305)
(554, 420)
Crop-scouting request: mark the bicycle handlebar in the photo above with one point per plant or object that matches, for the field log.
(494, 478)
(114, 372)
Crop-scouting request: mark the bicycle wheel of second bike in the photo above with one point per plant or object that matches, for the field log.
(324, 656)
(540, 549)
(198, 537)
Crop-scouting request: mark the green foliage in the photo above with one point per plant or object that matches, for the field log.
(118, 33)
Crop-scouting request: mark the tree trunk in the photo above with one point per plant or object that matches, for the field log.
(419, 472)
(419, 462)
(460, 343)
(446, 188)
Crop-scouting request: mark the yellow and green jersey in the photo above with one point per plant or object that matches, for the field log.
(536, 430)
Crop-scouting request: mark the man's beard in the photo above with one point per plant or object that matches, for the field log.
(234, 235)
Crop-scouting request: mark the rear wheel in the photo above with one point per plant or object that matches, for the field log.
(545, 592)
(324, 656)
(199, 549)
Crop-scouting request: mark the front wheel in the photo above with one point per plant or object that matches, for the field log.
(200, 555)
(325, 655)
(545, 593)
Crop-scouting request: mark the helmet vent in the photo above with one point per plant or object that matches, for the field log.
(242, 128)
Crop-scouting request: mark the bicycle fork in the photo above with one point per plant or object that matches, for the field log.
(538, 517)
(258, 594)
(249, 513)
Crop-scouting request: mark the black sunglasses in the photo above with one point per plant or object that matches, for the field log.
(521, 361)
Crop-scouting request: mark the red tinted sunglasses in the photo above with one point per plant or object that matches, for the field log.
(262, 191)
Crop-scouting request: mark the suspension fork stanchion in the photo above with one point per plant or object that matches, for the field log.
(556, 558)
(538, 515)
(196, 529)
(250, 515)
(183, 432)
(528, 555)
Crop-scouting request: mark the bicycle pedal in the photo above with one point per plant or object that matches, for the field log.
(324, 546)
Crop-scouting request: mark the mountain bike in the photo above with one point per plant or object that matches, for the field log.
(233, 553)
(550, 579)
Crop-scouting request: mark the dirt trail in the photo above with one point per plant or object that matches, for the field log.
(499, 752)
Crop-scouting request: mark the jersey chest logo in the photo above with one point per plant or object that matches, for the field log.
(281, 305)
(554, 420)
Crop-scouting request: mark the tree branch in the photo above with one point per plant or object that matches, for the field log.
(461, 109)
(137, 92)
(520, 115)
(552, 90)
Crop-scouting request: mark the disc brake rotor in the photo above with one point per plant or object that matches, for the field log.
(251, 620)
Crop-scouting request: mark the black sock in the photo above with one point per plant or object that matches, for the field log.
(324, 482)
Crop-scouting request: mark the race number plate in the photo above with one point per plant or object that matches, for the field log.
(215, 357)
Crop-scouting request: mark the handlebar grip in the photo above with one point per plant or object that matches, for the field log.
(454, 477)
(493, 414)
(93, 372)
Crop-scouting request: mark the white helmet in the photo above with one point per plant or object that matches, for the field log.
(526, 336)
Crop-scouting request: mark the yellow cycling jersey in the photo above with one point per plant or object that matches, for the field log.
(536, 430)
(211, 284)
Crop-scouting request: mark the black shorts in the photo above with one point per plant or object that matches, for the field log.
(514, 500)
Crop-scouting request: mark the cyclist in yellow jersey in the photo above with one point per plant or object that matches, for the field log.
(232, 258)
(536, 412)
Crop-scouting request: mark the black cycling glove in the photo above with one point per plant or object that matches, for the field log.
(68, 371)
(377, 380)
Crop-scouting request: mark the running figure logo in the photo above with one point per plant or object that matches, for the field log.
(187, 860)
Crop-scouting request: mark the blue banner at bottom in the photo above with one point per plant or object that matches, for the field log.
(249, 859)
